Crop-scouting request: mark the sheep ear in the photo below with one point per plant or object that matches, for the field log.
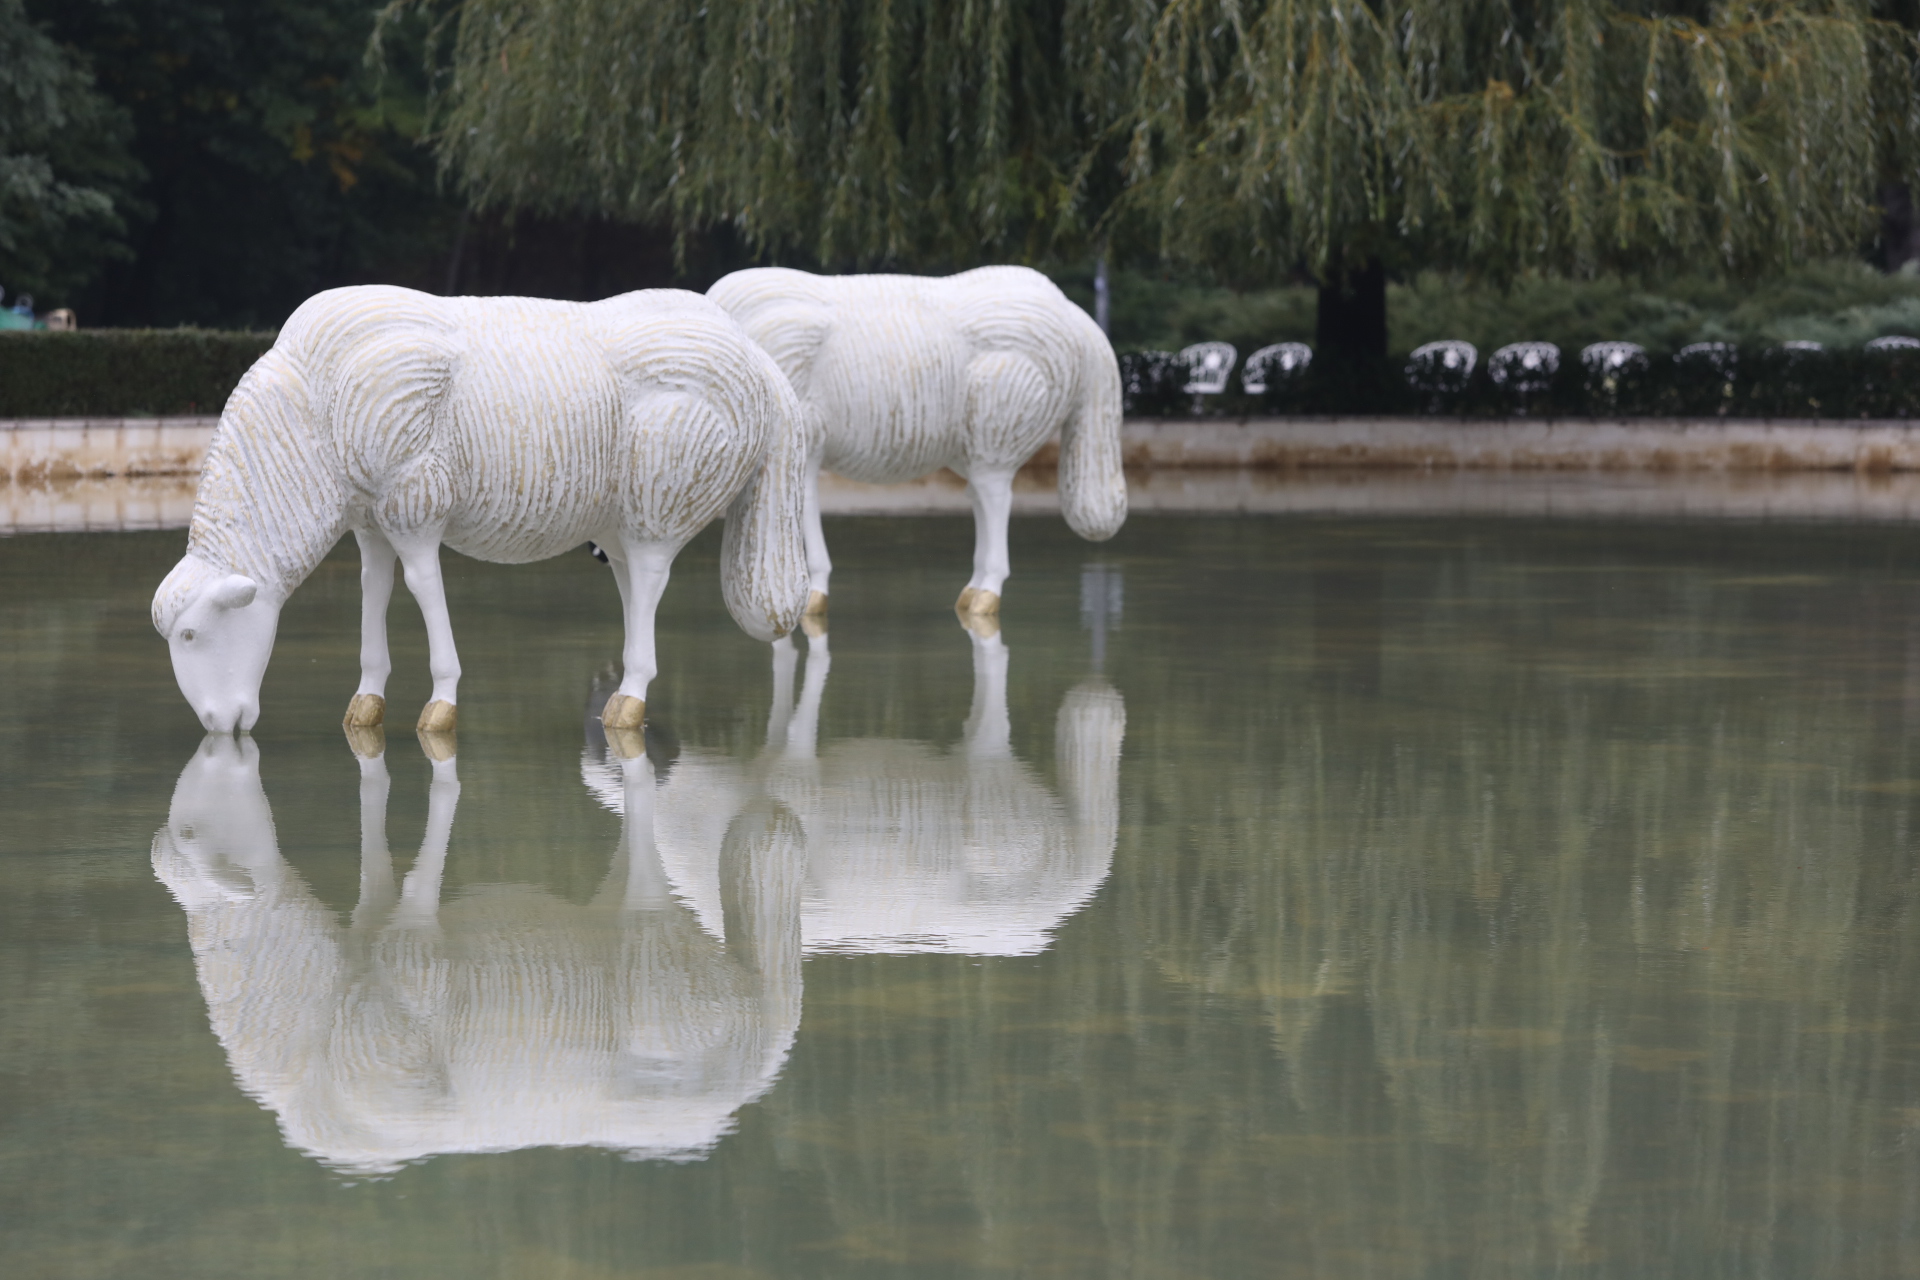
(234, 592)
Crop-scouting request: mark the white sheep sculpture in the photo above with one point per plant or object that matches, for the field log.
(502, 1019)
(902, 375)
(509, 429)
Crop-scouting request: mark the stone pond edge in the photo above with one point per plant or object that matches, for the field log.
(41, 450)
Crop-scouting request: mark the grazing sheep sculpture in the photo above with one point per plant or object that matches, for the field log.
(901, 375)
(510, 429)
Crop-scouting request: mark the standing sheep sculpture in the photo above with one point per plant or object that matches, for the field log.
(510, 429)
(900, 375)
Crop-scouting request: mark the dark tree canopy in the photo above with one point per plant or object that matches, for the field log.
(847, 132)
(65, 174)
(1254, 138)
(243, 153)
(275, 162)
(1570, 135)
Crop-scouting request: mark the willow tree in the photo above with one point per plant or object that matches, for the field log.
(844, 132)
(1339, 138)
(1501, 136)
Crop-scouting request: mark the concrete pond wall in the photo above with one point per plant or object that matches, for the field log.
(71, 474)
(34, 451)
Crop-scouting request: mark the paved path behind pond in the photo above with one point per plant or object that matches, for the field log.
(166, 502)
(41, 450)
(1565, 444)
(140, 473)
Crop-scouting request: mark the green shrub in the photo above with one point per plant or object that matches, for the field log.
(1166, 311)
(1840, 304)
(1764, 382)
(121, 373)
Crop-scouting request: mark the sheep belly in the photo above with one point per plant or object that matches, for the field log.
(893, 394)
(531, 448)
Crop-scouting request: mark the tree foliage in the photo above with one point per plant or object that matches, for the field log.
(276, 163)
(64, 169)
(1567, 135)
(847, 131)
(1254, 137)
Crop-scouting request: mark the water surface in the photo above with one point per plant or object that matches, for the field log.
(1272, 897)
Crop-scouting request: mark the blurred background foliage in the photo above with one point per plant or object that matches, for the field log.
(249, 157)
(1838, 302)
(272, 161)
(214, 162)
(67, 180)
(1260, 143)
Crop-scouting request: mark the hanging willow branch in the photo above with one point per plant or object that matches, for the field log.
(1251, 136)
(1572, 136)
(855, 131)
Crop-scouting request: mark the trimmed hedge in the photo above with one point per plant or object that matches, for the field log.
(1766, 382)
(123, 373)
(117, 373)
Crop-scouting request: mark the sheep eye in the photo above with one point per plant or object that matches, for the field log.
(186, 637)
(186, 831)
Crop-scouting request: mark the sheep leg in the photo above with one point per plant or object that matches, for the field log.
(647, 566)
(819, 564)
(369, 704)
(420, 563)
(991, 492)
(617, 562)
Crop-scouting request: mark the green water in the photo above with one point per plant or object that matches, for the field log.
(1471, 900)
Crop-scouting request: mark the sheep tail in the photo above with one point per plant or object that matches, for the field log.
(763, 556)
(1093, 489)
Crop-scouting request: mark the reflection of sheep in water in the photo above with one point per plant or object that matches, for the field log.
(909, 847)
(504, 1019)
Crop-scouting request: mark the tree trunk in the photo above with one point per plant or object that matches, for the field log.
(1352, 321)
(1899, 228)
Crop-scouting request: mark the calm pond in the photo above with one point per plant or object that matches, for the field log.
(1272, 897)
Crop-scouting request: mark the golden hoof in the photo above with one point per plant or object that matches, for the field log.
(984, 625)
(440, 746)
(965, 603)
(624, 711)
(627, 744)
(985, 604)
(365, 711)
(438, 716)
(813, 626)
(369, 741)
(816, 604)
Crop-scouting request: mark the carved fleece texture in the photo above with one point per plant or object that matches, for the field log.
(902, 375)
(514, 429)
